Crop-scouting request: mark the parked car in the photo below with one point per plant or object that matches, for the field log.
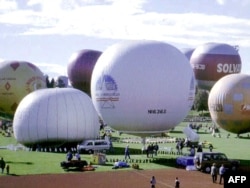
(204, 160)
(89, 146)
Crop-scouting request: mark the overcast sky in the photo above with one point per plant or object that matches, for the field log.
(47, 32)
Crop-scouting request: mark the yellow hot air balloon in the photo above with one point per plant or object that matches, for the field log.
(17, 79)
(229, 103)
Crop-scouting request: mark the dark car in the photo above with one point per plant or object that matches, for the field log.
(204, 160)
(74, 164)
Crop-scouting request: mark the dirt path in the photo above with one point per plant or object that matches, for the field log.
(117, 179)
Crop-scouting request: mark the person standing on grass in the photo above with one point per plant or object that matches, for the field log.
(156, 148)
(127, 152)
(8, 169)
(2, 164)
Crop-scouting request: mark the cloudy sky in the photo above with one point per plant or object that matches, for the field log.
(47, 32)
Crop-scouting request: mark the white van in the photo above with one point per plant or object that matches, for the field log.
(89, 146)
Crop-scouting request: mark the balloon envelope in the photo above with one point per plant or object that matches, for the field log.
(229, 103)
(212, 61)
(136, 87)
(188, 52)
(62, 81)
(17, 79)
(80, 67)
(55, 117)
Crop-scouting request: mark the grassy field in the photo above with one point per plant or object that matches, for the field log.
(31, 162)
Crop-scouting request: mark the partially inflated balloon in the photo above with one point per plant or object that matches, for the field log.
(52, 117)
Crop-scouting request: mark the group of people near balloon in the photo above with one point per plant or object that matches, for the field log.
(151, 150)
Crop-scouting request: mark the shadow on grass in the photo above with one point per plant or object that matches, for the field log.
(170, 162)
(203, 132)
(199, 132)
(121, 150)
(24, 163)
(176, 131)
(13, 175)
(107, 165)
(73, 170)
(244, 137)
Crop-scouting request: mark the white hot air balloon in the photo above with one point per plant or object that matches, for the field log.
(142, 87)
(55, 117)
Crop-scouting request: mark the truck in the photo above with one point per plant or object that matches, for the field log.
(204, 160)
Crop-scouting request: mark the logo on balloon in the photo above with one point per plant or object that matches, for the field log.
(199, 66)
(245, 109)
(107, 91)
(33, 83)
(7, 86)
(228, 68)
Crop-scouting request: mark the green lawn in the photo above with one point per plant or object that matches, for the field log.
(32, 162)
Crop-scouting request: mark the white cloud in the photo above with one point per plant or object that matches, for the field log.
(7, 5)
(119, 19)
(241, 2)
(52, 70)
(221, 2)
(170, 27)
(1, 60)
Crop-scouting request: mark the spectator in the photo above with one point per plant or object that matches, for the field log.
(214, 173)
(177, 183)
(69, 156)
(153, 182)
(151, 150)
(77, 156)
(127, 152)
(199, 148)
(8, 169)
(192, 151)
(222, 172)
(148, 150)
(156, 148)
(2, 164)
(211, 147)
